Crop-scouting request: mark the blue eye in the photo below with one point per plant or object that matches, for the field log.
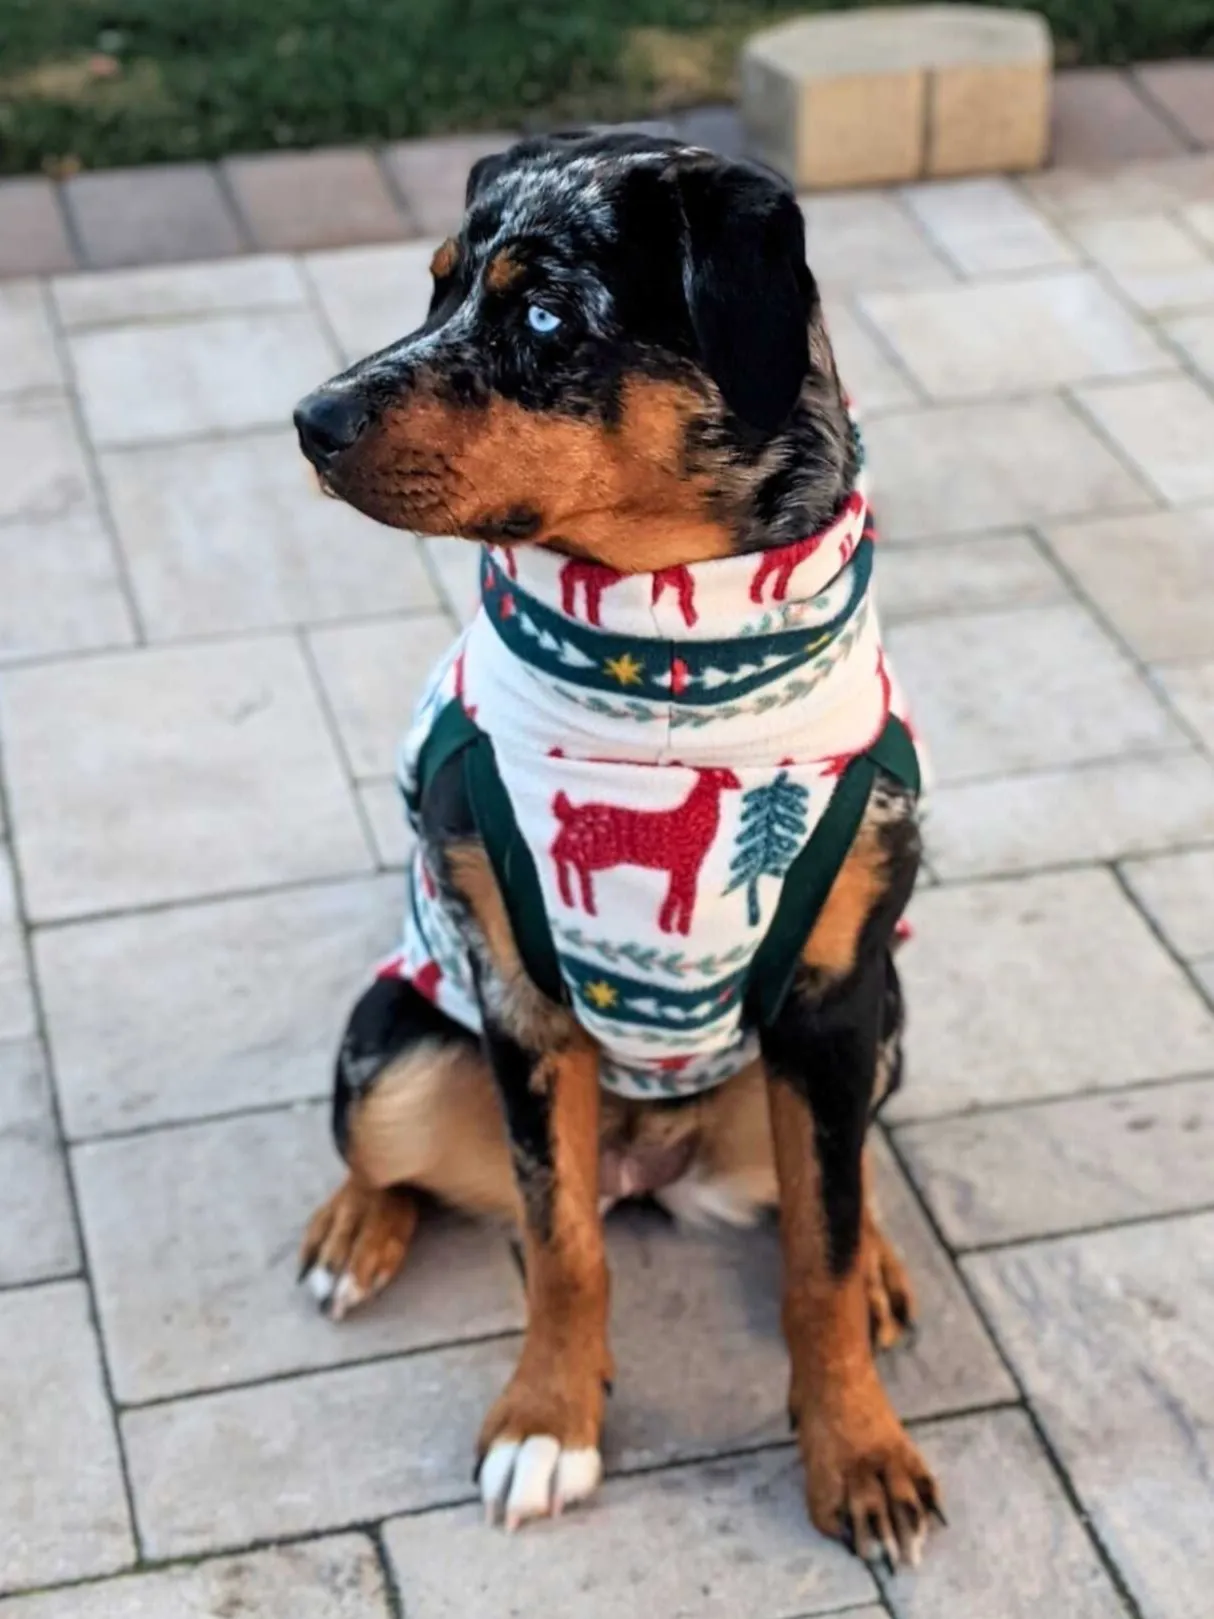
(541, 320)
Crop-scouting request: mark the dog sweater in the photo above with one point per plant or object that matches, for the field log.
(667, 770)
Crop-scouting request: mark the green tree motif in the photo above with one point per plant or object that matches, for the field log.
(773, 825)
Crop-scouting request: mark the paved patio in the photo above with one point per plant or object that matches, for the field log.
(205, 670)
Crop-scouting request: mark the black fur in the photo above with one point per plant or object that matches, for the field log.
(829, 1035)
(389, 1019)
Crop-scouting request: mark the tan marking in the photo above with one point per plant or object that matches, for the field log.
(891, 1298)
(445, 260)
(621, 496)
(433, 1121)
(502, 271)
(361, 1237)
(558, 1385)
(861, 882)
(533, 1020)
(858, 1458)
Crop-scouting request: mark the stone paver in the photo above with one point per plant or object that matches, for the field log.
(966, 576)
(33, 238)
(431, 176)
(868, 240)
(357, 1443)
(373, 675)
(204, 830)
(191, 1237)
(1013, 1544)
(373, 296)
(1008, 336)
(457, 568)
(1088, 998)
(1177, 890)
(1135, 188)
(986, 228)
(27, 345)
(194, 771)
(130, 1002)
(324, 1579)
(314, 199)
(16, 1001)
(1152, 577)
(1185, 91)
(37, 1233)
(42, 469)
(63, 1514)
(1099, 119)
(140, 216)
(62, 587)
(1194, 335)
(221, 374)
(1111, 1335)
(1155, 263)
(168, 293)
(1060, 1166)
(390, 832)
(1024, 690)
(754, 1553)
(256, 546)
(963, 468)
(876, 380)
(1165, 428)
(1191, 689)
(1101, 811)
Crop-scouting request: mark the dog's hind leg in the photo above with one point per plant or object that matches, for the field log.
(415, 1109)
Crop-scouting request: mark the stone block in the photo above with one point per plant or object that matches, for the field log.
(875, 95)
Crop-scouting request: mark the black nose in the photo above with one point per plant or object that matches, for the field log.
(328, 422)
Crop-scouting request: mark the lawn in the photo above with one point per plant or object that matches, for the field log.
(95, 82)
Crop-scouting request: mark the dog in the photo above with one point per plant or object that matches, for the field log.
(624, 390)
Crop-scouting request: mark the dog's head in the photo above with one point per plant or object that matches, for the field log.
(623, 359)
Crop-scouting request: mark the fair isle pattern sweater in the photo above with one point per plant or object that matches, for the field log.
(668, 743)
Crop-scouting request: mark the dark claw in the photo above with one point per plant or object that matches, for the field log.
(937, 1512)
(900, 1305)
(608, 1387)
(305, 1267)
(847, 1533)
(888, 1563)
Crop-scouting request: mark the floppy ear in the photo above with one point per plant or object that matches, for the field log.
(748, 288)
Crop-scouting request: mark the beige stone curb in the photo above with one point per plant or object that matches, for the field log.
(866, 97)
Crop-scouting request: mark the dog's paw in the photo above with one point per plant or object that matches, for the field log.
(877, 1495)
(539, 1446)
(536, 1477)
(355, 1244)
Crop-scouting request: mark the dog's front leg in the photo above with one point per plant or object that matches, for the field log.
(865, 1480)
(539, 1447)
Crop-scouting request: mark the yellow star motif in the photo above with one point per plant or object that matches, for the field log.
(625, 669)
(601, 995)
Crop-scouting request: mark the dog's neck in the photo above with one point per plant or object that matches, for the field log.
(554, 613)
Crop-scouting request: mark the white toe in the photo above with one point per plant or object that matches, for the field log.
(496, 1469)
(347, 1296)
(321, 1283)
(531, 1489)
(578, 1474)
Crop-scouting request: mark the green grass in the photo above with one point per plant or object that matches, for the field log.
(96, 82)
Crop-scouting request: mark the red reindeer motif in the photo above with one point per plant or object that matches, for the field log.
(785, 561)
(595, 837)
(682, 582)
(594, 579)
